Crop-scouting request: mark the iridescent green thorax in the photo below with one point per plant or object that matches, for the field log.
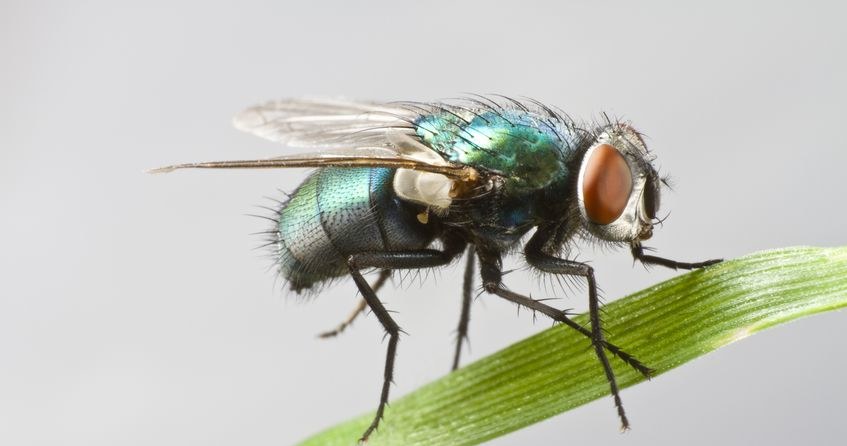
(526, 155)
(524, 148)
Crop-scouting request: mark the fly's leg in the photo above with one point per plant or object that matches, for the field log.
(536, 258)
(360, 307)
(425, 258)
(638, 254)
(491, 276)
(561, 266)
(464, 318)
(491, 272)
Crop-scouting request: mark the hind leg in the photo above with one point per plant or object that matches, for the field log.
(425, 258)
(360, 307)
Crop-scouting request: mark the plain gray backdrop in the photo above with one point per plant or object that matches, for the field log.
(133, 310)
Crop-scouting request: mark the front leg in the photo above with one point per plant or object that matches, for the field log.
(536, 257)
(491, 272)
(638, 254)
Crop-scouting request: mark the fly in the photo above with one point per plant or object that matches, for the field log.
(408, 185)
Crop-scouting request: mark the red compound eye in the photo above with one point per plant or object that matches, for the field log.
(606, 185)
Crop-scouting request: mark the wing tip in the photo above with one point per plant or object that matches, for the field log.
(163, 169)
(249, 119)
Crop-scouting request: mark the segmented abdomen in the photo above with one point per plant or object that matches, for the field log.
(341, 211)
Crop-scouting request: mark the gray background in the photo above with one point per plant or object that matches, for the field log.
(133, 311)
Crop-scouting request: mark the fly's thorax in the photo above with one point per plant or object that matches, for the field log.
(618, 187)
(526, 149)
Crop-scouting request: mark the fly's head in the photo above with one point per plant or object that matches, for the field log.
(618, 188)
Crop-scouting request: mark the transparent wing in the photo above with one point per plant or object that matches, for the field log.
(358, 157)
(326, 123)
(348, 134)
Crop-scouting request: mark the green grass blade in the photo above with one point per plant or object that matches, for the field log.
(665, 326)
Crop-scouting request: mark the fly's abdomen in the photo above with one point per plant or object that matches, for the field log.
(341, 211)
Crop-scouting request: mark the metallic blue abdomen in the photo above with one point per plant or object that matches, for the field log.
(341, 211)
